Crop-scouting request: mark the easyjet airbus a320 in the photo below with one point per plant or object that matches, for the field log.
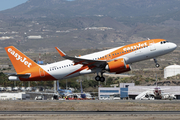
(116, 60)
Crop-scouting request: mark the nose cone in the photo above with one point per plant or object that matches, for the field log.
(173, 46)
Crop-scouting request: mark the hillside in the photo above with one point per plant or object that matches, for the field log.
(84, 24)
(115, 8)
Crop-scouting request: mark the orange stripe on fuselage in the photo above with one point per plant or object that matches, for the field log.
(129, 48)
(82, 68)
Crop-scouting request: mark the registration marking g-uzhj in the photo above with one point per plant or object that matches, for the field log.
(18, 57)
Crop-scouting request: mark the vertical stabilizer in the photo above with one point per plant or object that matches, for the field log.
(57, 85)
(20, 61)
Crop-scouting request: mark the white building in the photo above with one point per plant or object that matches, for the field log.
(14, 96)
(35, 37)
(171, 70)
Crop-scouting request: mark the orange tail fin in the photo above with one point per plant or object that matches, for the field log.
(20, 61)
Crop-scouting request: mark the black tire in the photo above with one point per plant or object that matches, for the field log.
(97, 78)
(157, 65)
(102, 79)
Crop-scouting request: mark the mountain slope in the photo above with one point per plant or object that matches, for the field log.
(115, 8)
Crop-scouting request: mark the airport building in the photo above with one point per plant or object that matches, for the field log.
(14, 96)
(131, 91)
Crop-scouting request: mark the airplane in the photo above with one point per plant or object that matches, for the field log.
(63, 92)
(155, 93)
(115, 60)
(83, 95)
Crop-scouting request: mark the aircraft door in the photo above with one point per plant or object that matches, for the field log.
(41, 72)
(152, 45)
(108, 57)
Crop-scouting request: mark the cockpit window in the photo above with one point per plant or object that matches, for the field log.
(163, 42)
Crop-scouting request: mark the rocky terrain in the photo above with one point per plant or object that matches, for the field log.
(40, 25)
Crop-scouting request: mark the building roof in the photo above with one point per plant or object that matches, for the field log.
(172, 66)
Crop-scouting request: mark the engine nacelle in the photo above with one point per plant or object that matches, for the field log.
(118, 66)
(128, 68)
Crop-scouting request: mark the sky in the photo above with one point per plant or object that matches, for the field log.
(7, 4)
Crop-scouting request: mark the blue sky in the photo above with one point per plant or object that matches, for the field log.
(6, 4)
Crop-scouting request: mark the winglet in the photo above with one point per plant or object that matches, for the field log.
(60, 52)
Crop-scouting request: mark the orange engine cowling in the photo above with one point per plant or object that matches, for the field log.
(118, 66)
(128, 68)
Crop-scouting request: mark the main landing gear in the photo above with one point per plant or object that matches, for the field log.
(157, 65)
(98, 78)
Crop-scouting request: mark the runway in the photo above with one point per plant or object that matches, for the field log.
(89, 112)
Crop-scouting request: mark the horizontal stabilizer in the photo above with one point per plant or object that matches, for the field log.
(21, 75)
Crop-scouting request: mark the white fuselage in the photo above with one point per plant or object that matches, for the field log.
(66, 68)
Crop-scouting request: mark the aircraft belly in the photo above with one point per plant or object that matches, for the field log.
(64, 73)
(146, 54)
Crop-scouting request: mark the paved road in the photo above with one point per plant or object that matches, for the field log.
(109, 101)
(89, 112)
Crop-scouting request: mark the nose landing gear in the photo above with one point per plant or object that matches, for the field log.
(157, 65)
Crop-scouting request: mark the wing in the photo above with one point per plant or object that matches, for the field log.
(86, 62)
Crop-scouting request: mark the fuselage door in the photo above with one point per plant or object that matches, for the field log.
(152, 45)
(108, 57)
(41, 72)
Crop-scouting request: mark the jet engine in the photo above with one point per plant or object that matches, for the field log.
(118, 66)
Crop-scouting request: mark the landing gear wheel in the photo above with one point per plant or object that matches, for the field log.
(157, 65)
(97, 78)
(102, 79)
